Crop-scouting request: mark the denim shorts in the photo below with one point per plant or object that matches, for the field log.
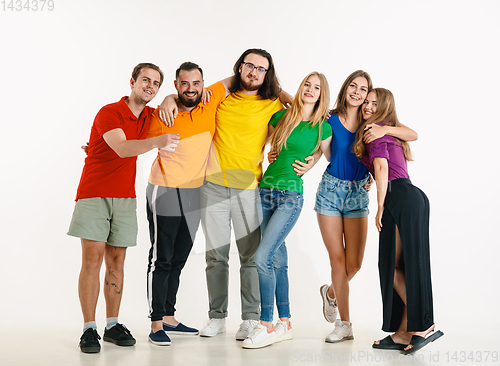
(336, 197)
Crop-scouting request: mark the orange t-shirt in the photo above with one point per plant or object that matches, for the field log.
(185, 167)
(105, 174)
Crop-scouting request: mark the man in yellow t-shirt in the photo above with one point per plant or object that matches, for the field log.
(173, 197)
(230, 193)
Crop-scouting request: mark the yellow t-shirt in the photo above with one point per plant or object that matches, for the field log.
(186, 166)
(241, 130)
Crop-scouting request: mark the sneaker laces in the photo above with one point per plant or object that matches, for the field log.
(123, 328)
(248, 324)
(339, 327)
(90, 335)
(212, 323)
(256, 331)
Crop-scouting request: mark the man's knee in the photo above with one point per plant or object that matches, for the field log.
(115, 256)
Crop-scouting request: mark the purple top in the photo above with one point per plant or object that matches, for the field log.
(387, 147)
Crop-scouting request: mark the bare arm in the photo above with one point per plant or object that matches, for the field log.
(227, 83)
(374, 131)
(117, 140)
(285, 98)
(270, 130)
(168, 110)
(381, 170)
(326, 147)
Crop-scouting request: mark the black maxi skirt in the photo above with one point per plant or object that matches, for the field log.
(406, 207)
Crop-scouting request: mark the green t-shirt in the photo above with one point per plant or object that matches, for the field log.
(300, 144)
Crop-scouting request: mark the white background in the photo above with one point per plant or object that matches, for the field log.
(58, 68)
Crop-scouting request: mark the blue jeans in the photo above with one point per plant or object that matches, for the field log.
(279, 210)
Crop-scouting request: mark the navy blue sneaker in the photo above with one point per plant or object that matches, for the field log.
(160, 338)
(179, 329)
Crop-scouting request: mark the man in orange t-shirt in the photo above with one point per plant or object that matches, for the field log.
(173, 196)
(105, 210)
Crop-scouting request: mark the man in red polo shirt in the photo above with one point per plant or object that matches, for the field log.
(105, 210)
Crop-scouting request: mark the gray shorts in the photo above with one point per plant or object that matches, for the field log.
(106, 219)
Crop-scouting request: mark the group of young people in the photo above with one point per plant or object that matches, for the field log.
(209, 170)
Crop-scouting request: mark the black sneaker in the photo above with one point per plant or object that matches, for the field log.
(89, 342)
(119, 335)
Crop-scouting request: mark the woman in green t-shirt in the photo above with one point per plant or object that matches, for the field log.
(299, 132)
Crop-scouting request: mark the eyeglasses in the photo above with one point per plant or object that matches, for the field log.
(250, 67)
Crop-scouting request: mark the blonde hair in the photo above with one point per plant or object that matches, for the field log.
(386, 113)
(293, 116)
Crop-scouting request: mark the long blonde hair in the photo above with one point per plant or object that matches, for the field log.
(386, 113)
(293, 116)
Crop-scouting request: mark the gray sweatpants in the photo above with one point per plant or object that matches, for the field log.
(222, 206)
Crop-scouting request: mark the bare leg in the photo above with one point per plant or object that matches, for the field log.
(88, 282)
(113, 279)
(344, 261)
(355, 232)
(402, 336)
(332, 231)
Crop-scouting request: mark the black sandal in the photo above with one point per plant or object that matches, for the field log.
(388, 343)
(419, 342)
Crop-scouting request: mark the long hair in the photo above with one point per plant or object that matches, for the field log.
(340, 108)
(386, 114)
(293, 116)
(270, 88)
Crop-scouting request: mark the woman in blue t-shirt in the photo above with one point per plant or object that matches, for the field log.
(342, 200)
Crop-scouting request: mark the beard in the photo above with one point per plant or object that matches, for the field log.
(189, 102)
(249, 86)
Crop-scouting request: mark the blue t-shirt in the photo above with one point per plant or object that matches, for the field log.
(344, 164)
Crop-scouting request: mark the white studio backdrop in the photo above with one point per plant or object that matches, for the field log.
(60, 67)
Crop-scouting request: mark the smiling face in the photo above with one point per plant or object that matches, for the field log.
(369, 107)
(146, 86)
(189, 87)
(251, 80)
(311, 90)
(356, 92)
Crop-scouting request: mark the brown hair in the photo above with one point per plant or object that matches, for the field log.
(341, 103)
(386, 114)
(270, 88)
(139, 67)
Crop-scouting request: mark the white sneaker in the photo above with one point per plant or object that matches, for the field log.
(283, 331)
(213, 327)
(260, 337)
(342, 332)
(245, 329)
(329, 306)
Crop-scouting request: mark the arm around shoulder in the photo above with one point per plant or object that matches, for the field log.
(124, 148)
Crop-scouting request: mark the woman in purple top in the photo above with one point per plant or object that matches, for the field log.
(403, 222)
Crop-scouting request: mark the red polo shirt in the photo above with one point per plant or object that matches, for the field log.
(105, 174)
